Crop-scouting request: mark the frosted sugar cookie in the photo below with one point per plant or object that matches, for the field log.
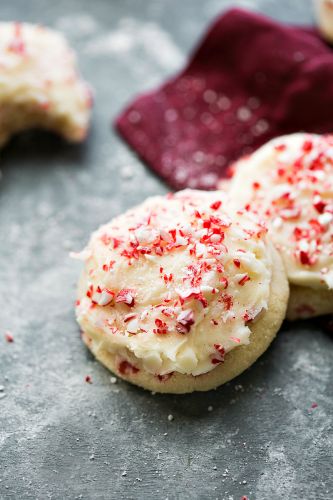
(181, 294)
(289, 181)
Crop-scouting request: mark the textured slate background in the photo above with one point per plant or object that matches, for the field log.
(63, 438)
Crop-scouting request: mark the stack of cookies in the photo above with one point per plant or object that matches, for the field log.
(186, 291)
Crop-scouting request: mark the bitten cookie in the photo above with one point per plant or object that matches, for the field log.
(289, 181)
(39, 84)
(180, 294)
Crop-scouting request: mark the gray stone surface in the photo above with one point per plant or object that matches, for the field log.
(63, 438)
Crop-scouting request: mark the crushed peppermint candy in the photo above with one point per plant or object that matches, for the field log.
(126, 296)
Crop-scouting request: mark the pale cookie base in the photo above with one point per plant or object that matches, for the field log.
(236, 361)
(16, 118)
(305, 302)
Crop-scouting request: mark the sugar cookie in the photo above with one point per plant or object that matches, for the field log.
(181, 294)
(289, 181)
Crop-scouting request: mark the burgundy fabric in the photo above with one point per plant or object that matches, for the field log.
(251, 79)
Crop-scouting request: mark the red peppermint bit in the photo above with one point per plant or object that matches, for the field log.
(164, 378)
(173, 232)
(216, 205)
(126, 368)
(235, 339)
(129, 316)
(281, 172)
(88, 379)
(77, 302)
(307, 146)
(206, 224)
(167, 311)
(17, 46)
(256, 185)
(249, 316)
(167, 298)
(161, 270)
(162, 327)
(305, 258)
(320, 206)
(106, 239)
(237, 263)
(280, 147)
(227, 301)
(116, 242)
(193, 294)
(216, 361)
(126, 296)
(220, 354)
(316, 226)
(243, 280)
(314, 405)
(202, 299)
(300, 233)
(90, 291)
(219, 222)
(109, 266)
(244, 497)
(9, 337)
(184, 321)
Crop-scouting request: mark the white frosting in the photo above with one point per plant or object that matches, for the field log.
(290, 182)
(39, 83)
(173, 282)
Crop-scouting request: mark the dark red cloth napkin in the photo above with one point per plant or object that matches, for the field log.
(251, 79)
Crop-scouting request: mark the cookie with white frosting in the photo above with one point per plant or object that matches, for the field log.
(289, 181)
(39, 83)
(181, 294)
